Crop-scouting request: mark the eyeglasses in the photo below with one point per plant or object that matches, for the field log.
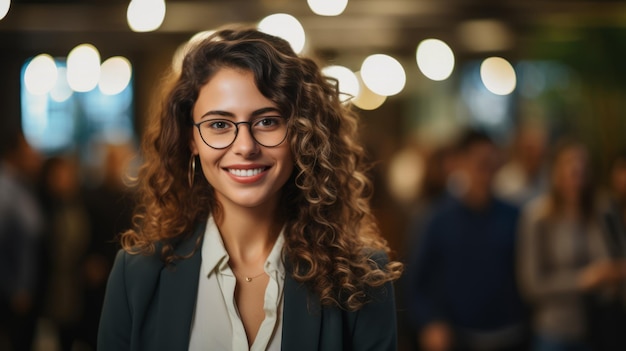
(268, 131)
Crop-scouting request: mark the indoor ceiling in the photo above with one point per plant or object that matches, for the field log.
(366, 26)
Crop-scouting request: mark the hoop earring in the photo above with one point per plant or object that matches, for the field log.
(191, 171)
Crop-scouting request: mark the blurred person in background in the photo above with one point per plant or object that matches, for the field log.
(563, 255)
(67, 239)
(21, 225)
(109, 207)
(524, 176)
(608, 312)
(461, 287)
(432, 189)
(435, 179)
(615, 210)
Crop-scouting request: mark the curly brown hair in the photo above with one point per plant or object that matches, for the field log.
(330, 229)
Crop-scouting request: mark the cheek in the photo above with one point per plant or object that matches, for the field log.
(289, 160)
(289, 157)
(558, 178)
(619, 182)
(208, 162)
(288, 164)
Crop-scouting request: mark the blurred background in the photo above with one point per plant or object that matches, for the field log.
(79, 79)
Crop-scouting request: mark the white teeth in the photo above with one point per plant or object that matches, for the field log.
(245, 172)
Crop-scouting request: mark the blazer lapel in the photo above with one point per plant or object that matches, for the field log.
(302, 317)
(177, 297)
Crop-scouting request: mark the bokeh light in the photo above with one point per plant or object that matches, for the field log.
(61, 91)
(383, 74)
(145, 15)
(348, 83)
(115, 75)
(5, 5)
(83, 68)
(435, 59)
(40, 75)
(404, 175)
(284, 26)
(367, 99)
(498, 75)
(183, 49)
(327, 7)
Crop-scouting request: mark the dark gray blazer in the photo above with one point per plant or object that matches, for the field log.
(149, 307)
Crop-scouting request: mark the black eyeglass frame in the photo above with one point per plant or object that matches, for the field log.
(249, 123)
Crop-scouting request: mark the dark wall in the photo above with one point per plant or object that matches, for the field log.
(10, 67)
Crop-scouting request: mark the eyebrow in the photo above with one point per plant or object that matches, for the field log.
(255, 113)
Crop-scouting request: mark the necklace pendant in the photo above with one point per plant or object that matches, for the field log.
(248, 279)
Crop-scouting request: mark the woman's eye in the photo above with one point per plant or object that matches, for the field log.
(218, 125)
(268, 122)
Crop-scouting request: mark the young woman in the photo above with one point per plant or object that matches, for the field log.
(563, 254)
(254, 229)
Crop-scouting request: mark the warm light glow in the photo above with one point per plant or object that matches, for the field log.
(404, 175)
(284, 26)
(200, 36)
(498, 76)
(83, 68)
(40, 75)
(327, 7)
(485, 35)
(61, 90)
(4, 8)
(367, 99)
(348, 83)
(145, 15)
(435, 59)
(115, 75)
(383, 74)
(183, 49)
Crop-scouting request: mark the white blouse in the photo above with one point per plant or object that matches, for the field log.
(216, 324)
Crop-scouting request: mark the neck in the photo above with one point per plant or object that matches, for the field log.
(571, 207)
(477, 199)
(620, 200)
(249, 234)
(572, 212)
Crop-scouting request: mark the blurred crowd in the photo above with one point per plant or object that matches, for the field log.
(57, 244)
(516, 248)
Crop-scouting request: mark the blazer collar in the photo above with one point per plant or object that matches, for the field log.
(178, 290)
(302, 316)
(178, 286)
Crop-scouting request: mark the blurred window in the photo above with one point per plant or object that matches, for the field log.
(63, 120)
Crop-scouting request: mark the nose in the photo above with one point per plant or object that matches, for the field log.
(244, 143)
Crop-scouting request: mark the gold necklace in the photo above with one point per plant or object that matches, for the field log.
(249, 279)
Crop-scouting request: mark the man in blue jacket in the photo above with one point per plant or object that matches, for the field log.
(462, 291)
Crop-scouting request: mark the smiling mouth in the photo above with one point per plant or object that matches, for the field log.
(246, 172)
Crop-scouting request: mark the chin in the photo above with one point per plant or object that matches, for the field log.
(251, 202)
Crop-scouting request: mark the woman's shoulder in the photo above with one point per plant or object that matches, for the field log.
(537, 208)
(137, 265)
(142, 259)
(377, 256)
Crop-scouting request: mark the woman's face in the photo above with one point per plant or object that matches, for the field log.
(244, 174)
(570, 173)
(618, 180)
